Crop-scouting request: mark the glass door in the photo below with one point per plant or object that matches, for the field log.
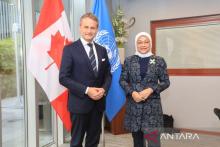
(46, 116)
(12, 108)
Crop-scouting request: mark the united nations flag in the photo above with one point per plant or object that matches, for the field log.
(105, 37)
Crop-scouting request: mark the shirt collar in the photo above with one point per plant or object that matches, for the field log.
(84, 42)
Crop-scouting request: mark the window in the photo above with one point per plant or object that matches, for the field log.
(12, 108)
(189, 45)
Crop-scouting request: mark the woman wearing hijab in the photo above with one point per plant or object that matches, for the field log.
(143, 78)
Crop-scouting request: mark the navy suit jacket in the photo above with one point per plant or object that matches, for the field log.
(76, 74)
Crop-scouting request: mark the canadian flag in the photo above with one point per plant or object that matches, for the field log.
(51, 34)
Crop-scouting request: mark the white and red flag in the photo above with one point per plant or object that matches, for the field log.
(51, 34)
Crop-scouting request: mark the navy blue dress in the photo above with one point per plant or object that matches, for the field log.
(137, 75)
(143, 66)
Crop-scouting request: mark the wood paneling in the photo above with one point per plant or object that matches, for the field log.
(116, 126)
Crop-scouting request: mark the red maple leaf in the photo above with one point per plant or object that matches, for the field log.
(56, 49)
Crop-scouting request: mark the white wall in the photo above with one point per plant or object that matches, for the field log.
(189, 99)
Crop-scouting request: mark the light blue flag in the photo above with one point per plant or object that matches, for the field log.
(105, 37)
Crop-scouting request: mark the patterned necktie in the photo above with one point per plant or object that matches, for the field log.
(92, 59)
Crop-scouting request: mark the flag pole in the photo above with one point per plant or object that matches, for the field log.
(103, 130)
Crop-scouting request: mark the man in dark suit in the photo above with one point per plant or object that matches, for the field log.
(85, 72)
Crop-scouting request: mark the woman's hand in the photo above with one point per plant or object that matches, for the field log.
(137, 97)
(146, 93)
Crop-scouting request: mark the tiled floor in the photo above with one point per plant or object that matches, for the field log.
(178, 141)
(13, 129)
(13, 124)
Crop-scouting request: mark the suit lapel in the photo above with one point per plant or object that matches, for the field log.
(99, 55)
(150, 69)
(136, 68)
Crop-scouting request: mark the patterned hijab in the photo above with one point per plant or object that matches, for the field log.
(149, 53)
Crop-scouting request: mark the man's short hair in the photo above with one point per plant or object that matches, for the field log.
(91, 16)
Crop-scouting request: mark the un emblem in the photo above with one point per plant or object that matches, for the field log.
(104, 39)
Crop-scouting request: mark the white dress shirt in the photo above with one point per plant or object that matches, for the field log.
(87, 49)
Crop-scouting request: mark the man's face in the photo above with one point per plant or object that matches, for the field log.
(88, 29)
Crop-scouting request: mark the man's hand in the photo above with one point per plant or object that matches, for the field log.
(146, 93)
(136, 96)
(95, 93)
(101, 92)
